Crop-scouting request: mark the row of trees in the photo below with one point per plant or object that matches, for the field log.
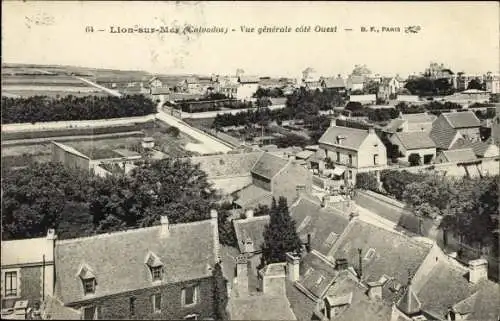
(76, 204)
(269, 92)
(424, 86)
(376, 115)
(43, 109)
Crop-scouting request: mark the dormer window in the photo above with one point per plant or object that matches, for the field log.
(89, 286)
(88, 280)
(155, 266)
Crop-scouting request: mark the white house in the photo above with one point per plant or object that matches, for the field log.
(247, 87)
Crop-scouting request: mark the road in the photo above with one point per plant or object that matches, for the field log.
(208, 142)
(109, 91)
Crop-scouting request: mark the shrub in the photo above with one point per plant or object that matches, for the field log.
(367, 181)
(173, 131)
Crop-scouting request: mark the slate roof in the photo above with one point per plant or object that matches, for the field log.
(466, 119)
(316, 274)
(443, 137)
(252, 195)
(261, 307)
(459, 155)
(415, 140)
(478, 147)
(333, 83)
(251, 228)
(118, 259)
(447, 285)
(324, 224)
(389, 247)
(70, 149)
(269, 165)
(419, 118)
(409, 302)
(26, 251)
(53, 309)
(227, 165)
(353, 137)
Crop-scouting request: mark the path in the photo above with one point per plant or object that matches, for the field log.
(109, 91)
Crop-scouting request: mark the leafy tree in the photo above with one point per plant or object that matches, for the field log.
(354, 106)
(475, 84)
(227, 235)
(173, 131)
(414, 159)
(292, 140)
(261, 210)
(361, 70)
(395, 182)
(367, 181)
(220, 297)
(280, 235)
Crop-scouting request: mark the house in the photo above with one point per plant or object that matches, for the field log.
(448, 127)
(355, 83)
(418, 143)
(492, 83)
(421, 122)
(335, 84)
(273, 176)
(456, 155)
(364, 99)
(495, 128)
(247, 87)
(249, 232)
(159, 272)
(27, 271)
(481, 149)
(353, 150)
(159, 81)
(388, 88)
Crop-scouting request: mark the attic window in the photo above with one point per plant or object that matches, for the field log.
(89, 286)
(370, 254)
(88, 280)
(155, 267)
(304, 223)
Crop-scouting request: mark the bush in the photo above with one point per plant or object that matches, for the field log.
(173, 131)
(395, 182)
(367, 181)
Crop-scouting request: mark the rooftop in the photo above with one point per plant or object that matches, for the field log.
(466, 119)
(333, 83)
(250, 228)
(353, 138)
(269, 165)
(479, 148)
(419, 118)
(316, 274)
(415, 140)
(118, 259)
(261, 307)
(459, 155)
(252, 195)
(443, 137)
(227, 164)
(248, 80)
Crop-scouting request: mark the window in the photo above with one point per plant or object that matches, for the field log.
(156, 273)
(349, 175)
(132, 306)
(320, 279)
(11, 283)
(189, 295)
(338, 157)
(375, 159)
(90, 313)
(370, 254)
(350, 159)
(331, 238)
(156, 303)
(89, 286)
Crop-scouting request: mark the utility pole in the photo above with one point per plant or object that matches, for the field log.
(360, 264)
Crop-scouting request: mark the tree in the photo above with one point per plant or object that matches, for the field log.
(475, 84)
(280, 235)
(354, 106)
(173, 131)
(292, 140)
(220, 297)
(227, 235)
(414, 159)
(395, 182)
(261, 210)
(361, 70)
(367, 181)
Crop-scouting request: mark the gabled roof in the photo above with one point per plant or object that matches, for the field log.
(269, 165)
(443, 137)
(394, 254)
(466, 119)
(118, 259)
(333, 83)
(250, 228)
(353, 138)
(252, 195)
(459, 155)
(316, 274)
(409, 302)
(419, 118)
(26, 251)
(479, 148)
(415, 140)
(54, 309)
(324, 225)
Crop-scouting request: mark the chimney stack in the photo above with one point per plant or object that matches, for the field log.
(371, 130)
(51, 234)
(293, 266)
(375, 290)
(165, 227)
(301, 189)
(214, 220)
(478, 270)
(360, 252)
(249, 213)
(242, 275)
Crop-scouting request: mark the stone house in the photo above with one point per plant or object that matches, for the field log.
(449, 127)
(418, 143)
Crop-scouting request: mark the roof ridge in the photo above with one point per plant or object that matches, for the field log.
(251, 219)
(131, 231)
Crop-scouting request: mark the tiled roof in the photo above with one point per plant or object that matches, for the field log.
(324, 224)
(316, 274)
(252, 195)
(261, 307)
(333, 83)
(250, 228)
(464, 119)
(485, 305)
(227, 165)
(392, 254)
(419, 118)
(118, 259)
(459, 155)
(416, 140)
(353, 138)
(443, 137)
(269, 165)
(478, 147)
(302, 306)
(26, 251)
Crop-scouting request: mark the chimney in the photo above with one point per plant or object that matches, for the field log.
(214, 220)
(242, 275)
(478, 270)
(293, 266)
(249, 213)
(301, 189)
(371, 130)
(308, 242)
(51, 234)
(341, 264)
(375, 290)
(165, 227)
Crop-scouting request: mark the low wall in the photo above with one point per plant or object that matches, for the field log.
(489, 165)
(6, 128)
(392, 210)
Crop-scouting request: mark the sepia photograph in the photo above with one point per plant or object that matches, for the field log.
(250, 160)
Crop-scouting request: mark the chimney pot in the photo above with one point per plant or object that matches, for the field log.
(249, 213)
(164, 226)
(164, 220)
(478, 270)
(51, 234)
(293, 266)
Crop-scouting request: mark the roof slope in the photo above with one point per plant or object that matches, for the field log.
(443, 137)
(333, 83)
(353, 137)
(261, 307)
(479, 148)
(252, 196)
(316, 274)
(227, 164)
(251, 228)
(416, 140)
(464, 119)
(394, 254)
(269, 165)
(118, 259)
(459, 155)
(419, 118)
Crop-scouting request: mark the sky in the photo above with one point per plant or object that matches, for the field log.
(462, 35)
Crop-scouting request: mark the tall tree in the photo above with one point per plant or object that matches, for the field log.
(220, 297)
(280, 235)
